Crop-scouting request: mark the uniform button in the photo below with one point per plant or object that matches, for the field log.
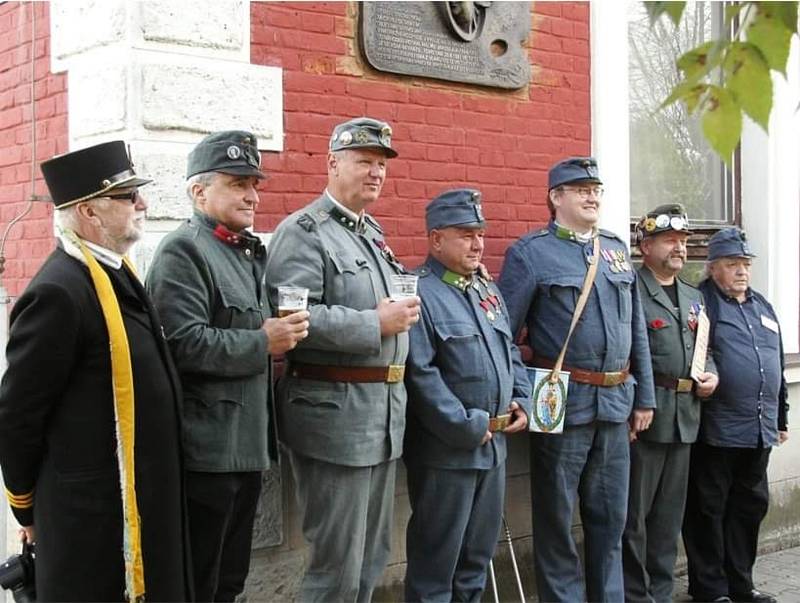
(749, 326)
(247, 252)
(756, 348)
(688, 345)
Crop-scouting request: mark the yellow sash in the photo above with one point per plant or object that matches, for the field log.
(122, 382)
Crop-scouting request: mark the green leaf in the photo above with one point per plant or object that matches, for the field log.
(688, 92)
(700, 60)
(721, 121)
(769, 32)
(749, 80)
(673, 9)
(786, 12)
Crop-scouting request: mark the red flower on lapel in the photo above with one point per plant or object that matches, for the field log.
(658, 323)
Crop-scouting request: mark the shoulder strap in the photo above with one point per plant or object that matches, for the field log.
(579, 306)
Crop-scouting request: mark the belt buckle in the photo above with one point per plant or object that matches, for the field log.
(499, 423)
(395, 373)
(612, 378)
(684, 385)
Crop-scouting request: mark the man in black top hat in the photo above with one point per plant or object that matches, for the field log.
(89, 424)
(207, 281)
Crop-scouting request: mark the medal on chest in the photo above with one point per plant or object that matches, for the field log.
(489, 301)
(617, 262)
(694, 312)
(388, 255)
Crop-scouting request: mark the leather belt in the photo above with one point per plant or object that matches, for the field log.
(348, 374)
(679, 385)
(499, 423)
(578, 375)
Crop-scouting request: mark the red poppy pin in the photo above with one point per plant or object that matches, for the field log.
(658, 323)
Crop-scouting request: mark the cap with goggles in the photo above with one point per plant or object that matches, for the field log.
(664, 218)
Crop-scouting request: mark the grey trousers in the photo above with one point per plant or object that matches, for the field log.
(346, 515)
(659, 477)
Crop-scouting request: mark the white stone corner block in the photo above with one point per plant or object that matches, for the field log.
(76, 27)
(97, 99)
(215, 25)
(166, 195)
(211, 96)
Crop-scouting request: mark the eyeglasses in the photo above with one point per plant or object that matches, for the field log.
(585, 191)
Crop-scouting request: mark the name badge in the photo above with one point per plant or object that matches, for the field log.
(769, 323)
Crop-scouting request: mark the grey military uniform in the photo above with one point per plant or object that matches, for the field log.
(660, 456)
(341, 435)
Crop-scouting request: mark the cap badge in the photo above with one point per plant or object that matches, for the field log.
(386, 136)
(662, 221)
(234, 152)
(650, 225)
(479, 213)
(362, 137)
(345, 138)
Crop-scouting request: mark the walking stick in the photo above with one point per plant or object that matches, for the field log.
(514, 560)
(494, 582)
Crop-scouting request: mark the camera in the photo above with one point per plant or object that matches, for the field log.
(17, 575)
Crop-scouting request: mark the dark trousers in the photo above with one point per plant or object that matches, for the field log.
(659, 474)
(453, 531)
(728, 496)
(221, 508)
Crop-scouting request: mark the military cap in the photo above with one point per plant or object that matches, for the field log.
(232, 152)
(664, 218)
(729, 242)
(573, 170)
(88, 173)
(363, 133)
(458, 207)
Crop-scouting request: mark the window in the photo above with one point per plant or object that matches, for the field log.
(670, 160)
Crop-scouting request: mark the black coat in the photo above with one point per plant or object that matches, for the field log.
(57, 437)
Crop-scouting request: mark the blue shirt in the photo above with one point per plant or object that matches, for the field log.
(745, 341)
(462, 368)
(541, 280)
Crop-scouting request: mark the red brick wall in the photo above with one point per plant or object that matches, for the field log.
(31, 240)
(447, 134)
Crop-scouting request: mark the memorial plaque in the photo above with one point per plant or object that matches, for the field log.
(472, 42)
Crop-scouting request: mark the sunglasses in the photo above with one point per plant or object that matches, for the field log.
(131, 196)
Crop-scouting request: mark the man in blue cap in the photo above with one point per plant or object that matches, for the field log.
(207, 279)
(743, 419)
(660, 455)
(610, 383)
(342, 402)
(467, 389)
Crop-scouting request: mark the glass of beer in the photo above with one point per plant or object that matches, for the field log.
(291, 300)
(402, 286)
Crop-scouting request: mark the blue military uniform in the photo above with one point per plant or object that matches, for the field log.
(463, 368)
(541, 280)
(728, 494)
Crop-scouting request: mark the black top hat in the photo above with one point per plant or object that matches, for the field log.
(90, 172)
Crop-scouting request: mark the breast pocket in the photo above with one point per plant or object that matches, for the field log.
(460, 353)
(353, 282)
(238, 309)
(622, 283)
(564, 289)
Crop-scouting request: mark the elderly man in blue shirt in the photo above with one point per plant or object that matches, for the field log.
(611, 382)
(746, 416)
(467, 389)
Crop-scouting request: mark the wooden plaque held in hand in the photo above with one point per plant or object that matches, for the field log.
(700, 345)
